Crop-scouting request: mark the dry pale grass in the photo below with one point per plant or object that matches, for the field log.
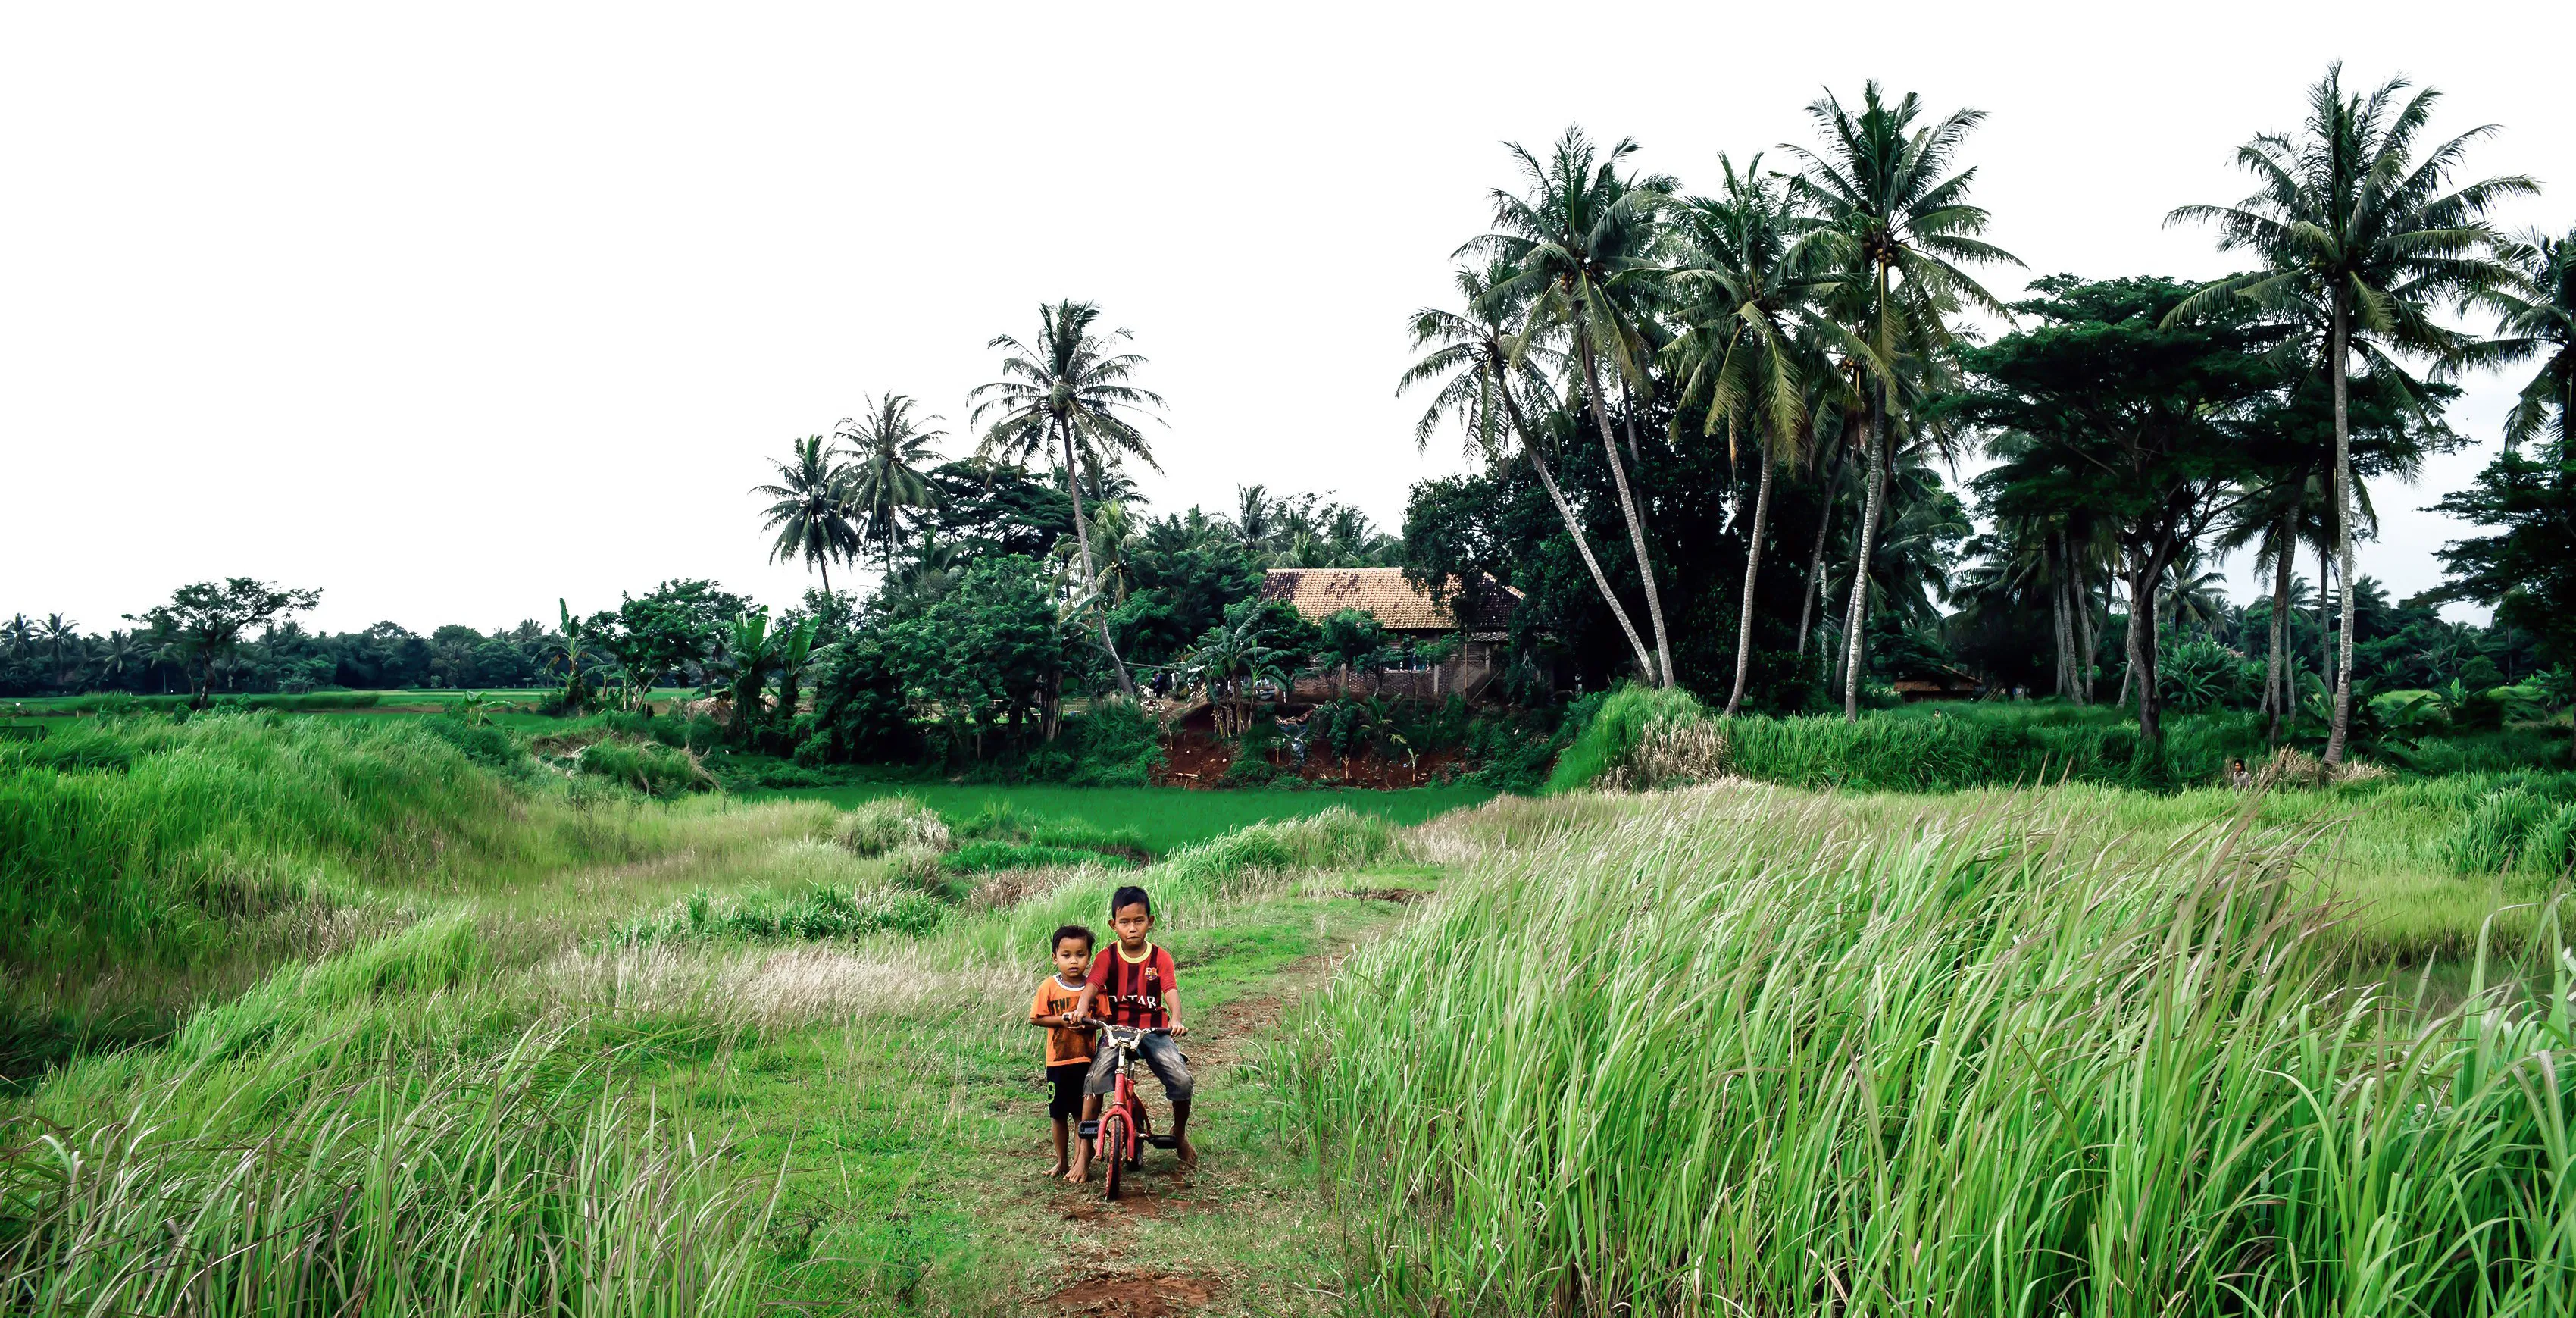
(1003, 889)
(773, 989)
(2291, 767)
(1668, 753)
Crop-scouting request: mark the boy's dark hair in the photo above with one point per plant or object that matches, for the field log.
(1064, 932)
(1130, 895)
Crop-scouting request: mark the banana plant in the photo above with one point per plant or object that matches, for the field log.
(572, 650)
(752, 650)
(1232, 661)
(796, 647)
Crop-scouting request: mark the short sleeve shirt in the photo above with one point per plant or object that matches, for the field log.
(1063, 1045)
(1131, 992)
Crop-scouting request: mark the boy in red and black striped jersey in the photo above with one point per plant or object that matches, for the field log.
(1133, 982)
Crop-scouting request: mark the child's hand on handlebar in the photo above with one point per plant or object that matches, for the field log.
(1179, 1030)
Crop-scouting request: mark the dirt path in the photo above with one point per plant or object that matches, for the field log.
(1224, 1239)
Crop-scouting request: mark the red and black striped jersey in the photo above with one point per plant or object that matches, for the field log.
(1131, 992)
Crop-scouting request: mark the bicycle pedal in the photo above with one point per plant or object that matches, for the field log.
(1162, 1141)
(1089, 1130)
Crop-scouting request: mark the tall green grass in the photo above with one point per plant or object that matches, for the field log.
(1644, 738)
(1742, 1055)
(147, 865)
(117, 702)
(486, 1186)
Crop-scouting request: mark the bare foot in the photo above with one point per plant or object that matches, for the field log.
(1055, 1171)
(1189, 1152)
(1081, 1171)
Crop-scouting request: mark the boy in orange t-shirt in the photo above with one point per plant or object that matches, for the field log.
(1068, 1042)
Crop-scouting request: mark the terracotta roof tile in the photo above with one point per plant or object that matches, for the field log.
(1383, 593)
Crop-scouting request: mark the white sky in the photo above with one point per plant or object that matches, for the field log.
(454, 309)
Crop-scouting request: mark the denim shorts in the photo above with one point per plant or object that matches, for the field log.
(1162, 1057)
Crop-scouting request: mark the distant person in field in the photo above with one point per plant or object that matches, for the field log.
(1068, 1040)
(1132, 982)
(2238, 774)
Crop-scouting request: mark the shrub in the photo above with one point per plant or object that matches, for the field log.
(1603, 749)
(2513, 827)
(1330, 839)
(2549, 845)
(1249, 770)
(986, 857)
(1001, 821)
(647, 766)
(813, 915)
(489, 746)
(1116, 744)
(876, 827)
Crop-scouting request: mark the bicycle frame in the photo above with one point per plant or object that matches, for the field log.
(1123, 1129)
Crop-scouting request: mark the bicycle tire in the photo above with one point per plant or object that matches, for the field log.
(1113, 1147)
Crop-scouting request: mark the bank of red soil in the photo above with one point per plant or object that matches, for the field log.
(1196, 757)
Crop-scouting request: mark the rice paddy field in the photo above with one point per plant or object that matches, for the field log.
(1161, 817)
(364, 1015)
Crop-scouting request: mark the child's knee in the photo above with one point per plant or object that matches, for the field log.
(1175, 1075)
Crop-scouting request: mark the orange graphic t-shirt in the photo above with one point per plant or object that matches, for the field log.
(1063, 1044)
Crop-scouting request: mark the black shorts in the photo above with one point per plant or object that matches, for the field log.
(1065, 1088)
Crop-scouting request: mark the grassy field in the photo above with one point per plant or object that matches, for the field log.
(1164, 817)
(451, 1032)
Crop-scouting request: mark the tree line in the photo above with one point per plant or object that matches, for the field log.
(1660, 383)
(1708, 434)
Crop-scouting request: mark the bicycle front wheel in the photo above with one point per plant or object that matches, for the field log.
(1114, 1140)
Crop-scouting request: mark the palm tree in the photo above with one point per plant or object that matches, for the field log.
(2536, 311)
(812, 509)
(2359, 238)
(1481, 370)
(935, 565)
(1067, 397)
(62, 636)
(122, 656)
(1578, 249)
(888, 452)
(1753, 341)
(1897, 225)
(1256, 519)
(2269, 520)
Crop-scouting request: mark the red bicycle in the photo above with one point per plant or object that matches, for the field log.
(1124, 1129)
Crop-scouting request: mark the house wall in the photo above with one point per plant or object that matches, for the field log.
(1474, 669)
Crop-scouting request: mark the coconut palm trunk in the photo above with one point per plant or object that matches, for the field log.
(2085, 644)
(1856, 615)
(1574, 528)
(2325, 629)
(2129, 630)
(1662, 672)
(1752, 566)
(2142, 648)
(2343, 537)
(2062, 627)
(2276, 677)
(1082, 539)
(1814, 593)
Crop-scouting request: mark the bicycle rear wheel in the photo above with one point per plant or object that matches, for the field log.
(1113, 1148)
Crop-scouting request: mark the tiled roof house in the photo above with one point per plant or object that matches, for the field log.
(1404, 609)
